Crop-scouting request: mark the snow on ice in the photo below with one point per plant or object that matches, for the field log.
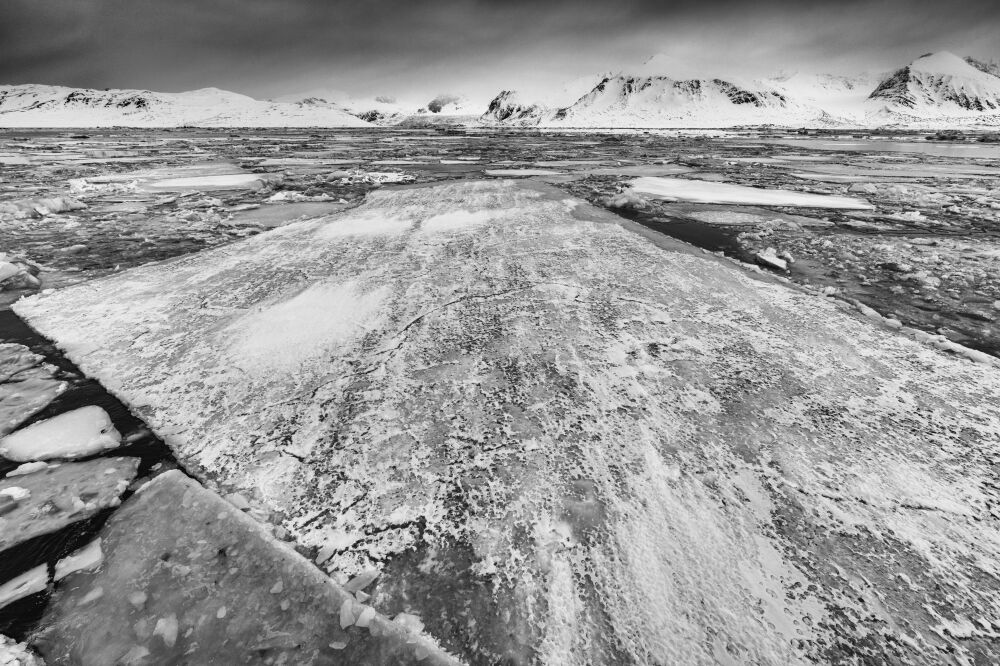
(707, 465)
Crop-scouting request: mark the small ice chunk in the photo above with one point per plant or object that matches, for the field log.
(346, 613)
(338, 645)
(769, 257)
(81, 432)
(362, 580)
(166, 628)
(86, 558)
(367, 615)
(28, 583)
(409, 621)
(27, 468)
(16, 493)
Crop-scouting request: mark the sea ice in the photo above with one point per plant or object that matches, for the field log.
(76, 434)
(701, 191)
(26, 385)
(28, 583)
(628, 450)
(222, 182)
(167, 546)
(522, 172)
(61, 495)
(85, 559)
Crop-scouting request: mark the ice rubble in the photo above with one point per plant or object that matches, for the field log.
(76, 434)
(630, 451)
(13, 653)
(703, 191)
(39, 207)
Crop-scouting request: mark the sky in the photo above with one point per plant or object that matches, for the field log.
(412, 49)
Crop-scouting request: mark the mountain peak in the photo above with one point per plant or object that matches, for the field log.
(944, 63)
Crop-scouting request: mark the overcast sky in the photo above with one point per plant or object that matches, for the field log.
(412, 48)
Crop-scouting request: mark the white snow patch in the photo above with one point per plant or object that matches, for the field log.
(365, 224)
(81, 432)
(314, 322)
(700, 191)
(456, 220)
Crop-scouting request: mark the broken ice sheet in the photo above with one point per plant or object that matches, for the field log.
(27, 385)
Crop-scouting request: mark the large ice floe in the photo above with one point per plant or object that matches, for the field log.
(704, 191)
(558, 438)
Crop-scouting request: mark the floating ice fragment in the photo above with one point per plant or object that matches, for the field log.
(703, 191)
(81, 432)
(769, 257)
(16, 493)
(362, 580)
(84, 559)
(166, 628)
(367, 615)
(409, 621)
(28, 583)
(346, 614)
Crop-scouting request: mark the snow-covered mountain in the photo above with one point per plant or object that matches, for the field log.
(935, 90)
(512, 108)
(386, 110)
(940, 83)
(57, 106)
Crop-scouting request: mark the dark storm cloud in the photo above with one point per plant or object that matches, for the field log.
(268, 47)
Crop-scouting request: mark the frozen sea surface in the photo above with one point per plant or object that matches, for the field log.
(560, 437)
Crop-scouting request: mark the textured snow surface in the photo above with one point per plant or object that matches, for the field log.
(81, 432)
(703, 191)
(559, 440)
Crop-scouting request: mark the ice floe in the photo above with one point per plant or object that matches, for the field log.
(30, 582)
(76, 434)
(85, 559)
(58, 496)
(26, 385)
(701, 191)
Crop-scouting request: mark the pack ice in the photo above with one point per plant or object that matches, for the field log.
(560, 439)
